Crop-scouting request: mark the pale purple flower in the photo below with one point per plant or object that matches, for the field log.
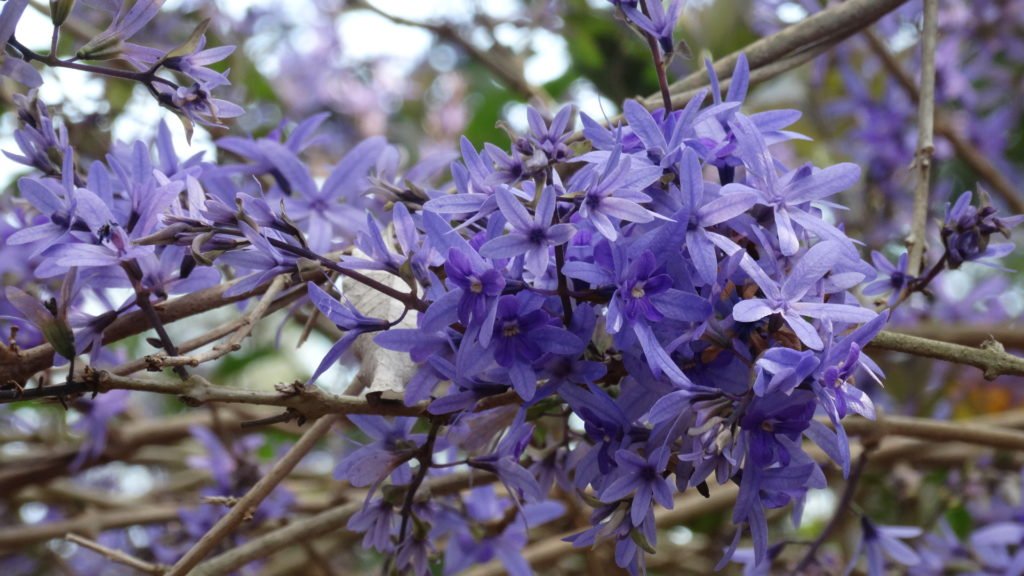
(533, 236)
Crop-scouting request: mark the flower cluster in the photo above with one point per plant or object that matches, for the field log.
(673, 293)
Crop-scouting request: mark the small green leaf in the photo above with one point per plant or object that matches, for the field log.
(960, 521)
(190, 45)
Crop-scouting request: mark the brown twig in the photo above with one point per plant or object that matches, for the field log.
(991, 358)
(33, 360)
(321, 524)
(837, 517)
(116, 555)
(965, 150)
(937, 431)
(925, 145)
(243, 328)
(252, 499)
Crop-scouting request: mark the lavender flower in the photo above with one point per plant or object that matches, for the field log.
(532, 237)
(787, 299)
(879, 541)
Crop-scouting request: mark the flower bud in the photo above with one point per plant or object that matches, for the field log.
(59, 10)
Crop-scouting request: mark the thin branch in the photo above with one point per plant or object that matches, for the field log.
(659, 65)
(117, 555)
(839, 20)
(244, 327)
(965, 150)
(124, 441)
(970, 335)
(321, 524)
(309, 401)
(837, 517)
(252, 499)
(991, 357)
(925, 143)
(33, 360)
(222, 330)
(91, 522)
(937, 431)
(508, 74)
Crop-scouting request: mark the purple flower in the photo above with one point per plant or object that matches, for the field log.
(337, 205)
(522, 334)
(346, 317)
(532, 237)
(788, 195)
(480, 286)
(96, 416)
(552, 138)
(643, 478)
(51, 317)
(130, 18)
(660, 24)
(890, 278)
(15, 68)
(377, 521)
(492, 538)
(195, 103)
(262, 258)
(967, 229)
(788, 299)
(879, 541)
(194, 65)
(504, 462)
(614, 192)
(771, 417)
(391, 447)
(68, 208)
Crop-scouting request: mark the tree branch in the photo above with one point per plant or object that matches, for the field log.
(838, 21)
(117, 555)
(252, 499)
(965, 150)
(937, 431)
(91, 522)
(33, 360)
(925, 145)
(991, 358)
(321, 524)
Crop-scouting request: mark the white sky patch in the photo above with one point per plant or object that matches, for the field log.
(820, 506)
(590, 102)
(368, 36)
(957, 284)
(680, 535)
(791, 12)
(550, 59)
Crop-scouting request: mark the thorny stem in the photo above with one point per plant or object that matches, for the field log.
(965, 150)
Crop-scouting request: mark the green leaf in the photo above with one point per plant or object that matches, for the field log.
(960, 521)
(190, 45)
